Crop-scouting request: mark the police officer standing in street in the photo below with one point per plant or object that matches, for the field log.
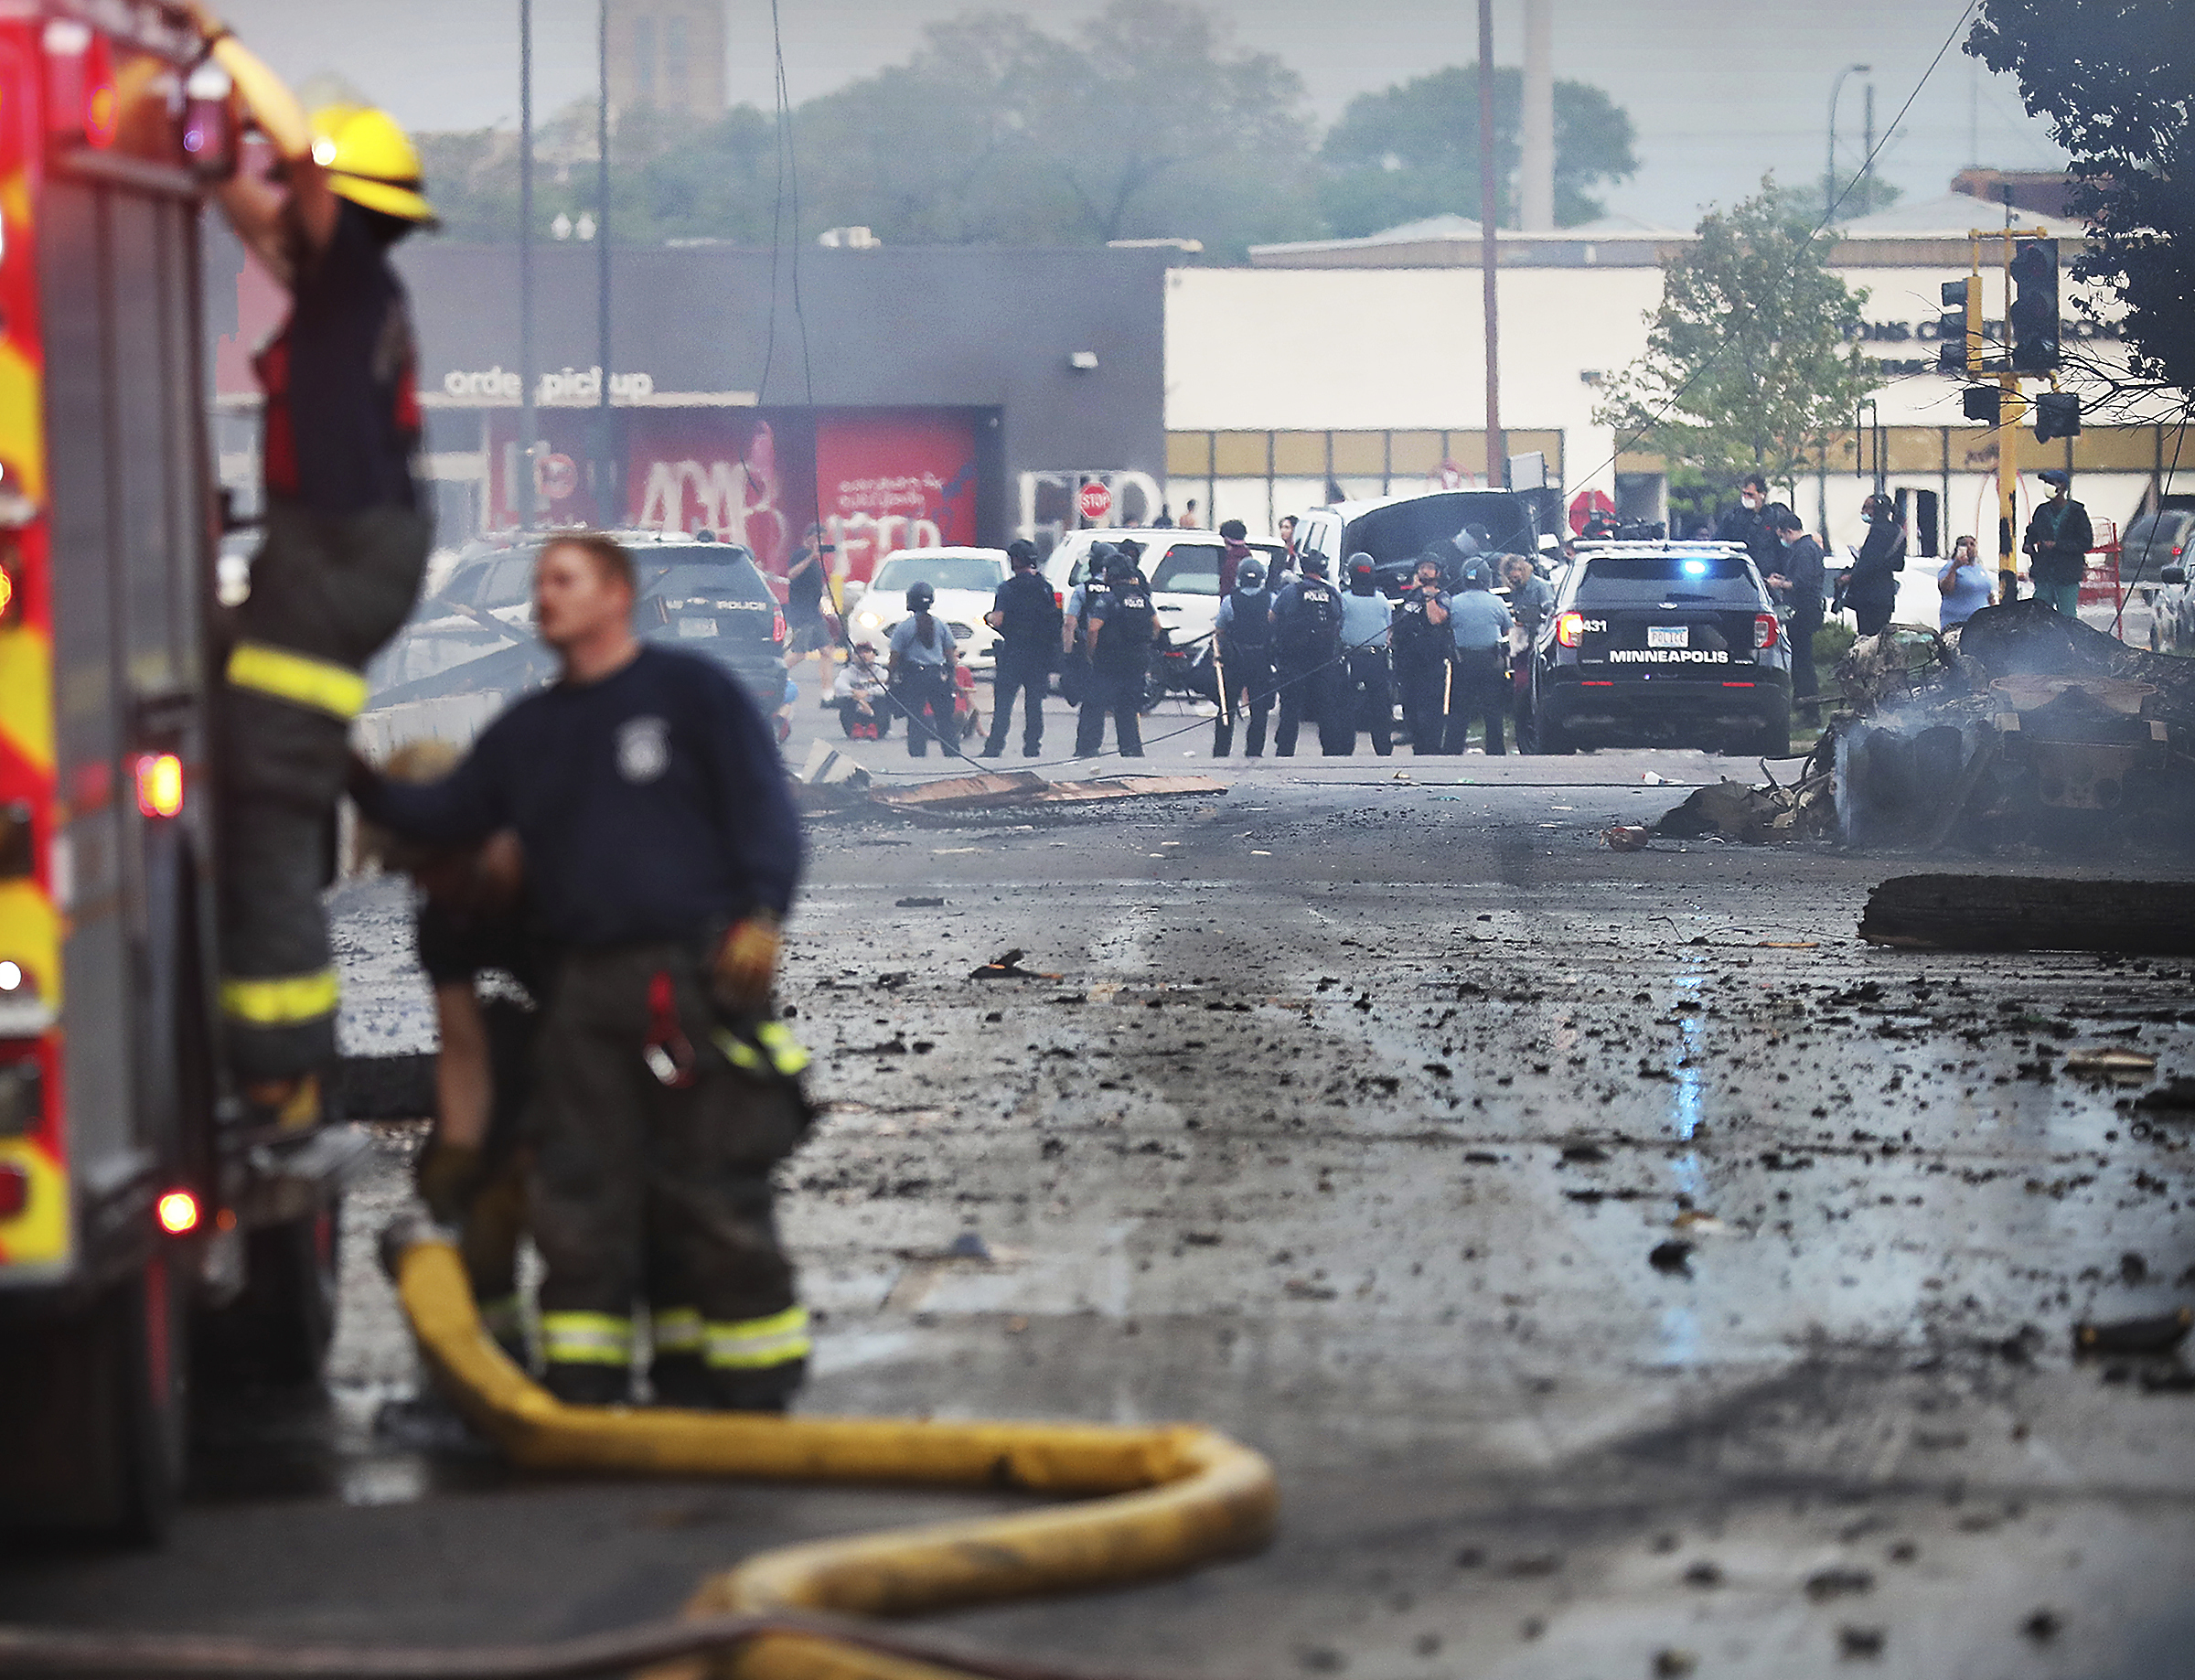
(1368, 696)
(1424, 650)
(1122, 627)
(1242, 642)
(1074, 627)
(1307, 644)
(661, 853)
(1480, 624)
(347, 539)
(1026, 616)
(923, 654)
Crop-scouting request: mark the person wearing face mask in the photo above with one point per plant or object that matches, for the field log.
(1746, 524)
(1796, 584)
(1869, 586)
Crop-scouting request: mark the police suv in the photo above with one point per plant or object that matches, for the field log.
(1662, 644)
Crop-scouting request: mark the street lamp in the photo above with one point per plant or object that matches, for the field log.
(1829, 164)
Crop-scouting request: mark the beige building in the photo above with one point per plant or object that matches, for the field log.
(669, 54)
(1358, 364)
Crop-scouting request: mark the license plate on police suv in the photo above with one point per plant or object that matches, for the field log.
(1669, 636)
(697, 627)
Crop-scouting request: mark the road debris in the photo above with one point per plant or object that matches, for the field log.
(1862, 1645)
(1673, 1257)
(918, 904)
(1007, 966)
(2032, 913)
(1838, 1583)
(2158, 1333)
(2112, 1063)
(1627, 837)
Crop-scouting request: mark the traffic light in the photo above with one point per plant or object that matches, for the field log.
(1983, 403)
(1952, 352)
(2033, 312)
(2057, 415)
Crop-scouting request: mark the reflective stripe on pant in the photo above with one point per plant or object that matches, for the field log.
(675, 1330)
(325, 594)
(643, 1191)
(573, 1338)
(1370, 700)
(1422, 680)
(758, 1344)
(1481, 697)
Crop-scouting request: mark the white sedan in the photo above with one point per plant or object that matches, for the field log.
(966, 580)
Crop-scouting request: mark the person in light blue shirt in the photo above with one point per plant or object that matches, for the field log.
(1964, 583)
(922, 674)
(1367, 689)
(1480, 622)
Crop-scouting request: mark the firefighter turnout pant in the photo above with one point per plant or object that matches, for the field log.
(1481, 693)
(325, 594)
(654, 1128)
(1114, 690)
(1248, 688)
(1425, 685)
(1369, 701)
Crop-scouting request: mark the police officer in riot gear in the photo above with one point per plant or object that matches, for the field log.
(1369, 697)
(1074, 629)
(1307, 640)
(1122, 627)
(1242, 641)
(1423, 647)
(1480, 624)
(1026, 617)
(923, 654)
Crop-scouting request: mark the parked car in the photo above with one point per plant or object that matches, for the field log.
(1396, 529)
(2156, 551)
(1181, 567)
(965, 579)
(475, 634)
(1664, 644)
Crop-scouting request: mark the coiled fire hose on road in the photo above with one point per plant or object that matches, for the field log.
(1148, 1501)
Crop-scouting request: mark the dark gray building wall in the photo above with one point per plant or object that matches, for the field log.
(952, 327)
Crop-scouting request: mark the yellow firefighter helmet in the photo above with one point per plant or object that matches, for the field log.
(371, 161)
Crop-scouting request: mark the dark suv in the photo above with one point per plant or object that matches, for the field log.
(475, 635)
(1661, 644)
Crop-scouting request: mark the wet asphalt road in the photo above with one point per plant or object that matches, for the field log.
(1348, 1126)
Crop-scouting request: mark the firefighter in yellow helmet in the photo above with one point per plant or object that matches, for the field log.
(346, 544)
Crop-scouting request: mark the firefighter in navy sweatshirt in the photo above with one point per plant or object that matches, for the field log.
(662, 850)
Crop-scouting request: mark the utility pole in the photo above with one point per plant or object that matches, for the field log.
(1866, 155)
(1535, 172)
(606, 468)
(523, 491)
(1489, 250)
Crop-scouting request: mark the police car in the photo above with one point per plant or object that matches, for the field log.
(1660, 644)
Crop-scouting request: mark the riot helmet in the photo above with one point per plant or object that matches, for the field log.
(1362, 574)
(1476, 575)
(1250, 574)
(1312, 562)
(1121, 568)
(920, 596)
(1022, 553)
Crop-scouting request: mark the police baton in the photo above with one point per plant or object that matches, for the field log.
(1219, 669)
(1448, 684)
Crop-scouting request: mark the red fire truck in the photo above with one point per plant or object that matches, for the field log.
(139, 1222)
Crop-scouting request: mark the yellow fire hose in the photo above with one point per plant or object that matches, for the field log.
(1152, 1501)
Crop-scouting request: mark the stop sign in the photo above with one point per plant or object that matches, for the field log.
(1094, 502)
(555, 476)
(1585, 505)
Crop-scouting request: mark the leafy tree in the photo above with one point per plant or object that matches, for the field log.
(1752, 360)
(1412, 150)
(2113, 79)
(1855, 195)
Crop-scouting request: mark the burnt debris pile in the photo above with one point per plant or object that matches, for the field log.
(2025, 729)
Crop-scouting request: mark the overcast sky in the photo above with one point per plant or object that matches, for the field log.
(1719, 90)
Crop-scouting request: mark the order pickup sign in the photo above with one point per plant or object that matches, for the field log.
(1094, 502)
